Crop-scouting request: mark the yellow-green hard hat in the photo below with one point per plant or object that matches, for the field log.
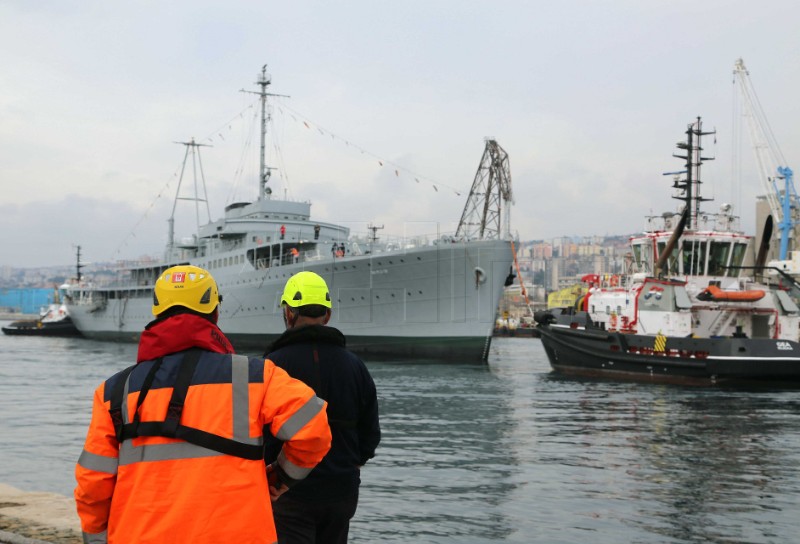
(188, 286)
(306, 288)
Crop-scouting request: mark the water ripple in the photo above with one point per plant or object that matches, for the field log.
(502, 453)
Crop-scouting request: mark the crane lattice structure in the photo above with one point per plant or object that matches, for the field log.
(487, 214)
(776, 177)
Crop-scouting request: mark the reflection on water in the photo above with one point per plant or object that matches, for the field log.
(503, 453)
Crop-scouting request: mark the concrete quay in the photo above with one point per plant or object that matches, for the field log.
(37, 518)
(13, 316)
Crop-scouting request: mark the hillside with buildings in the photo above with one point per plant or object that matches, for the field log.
(546, 266)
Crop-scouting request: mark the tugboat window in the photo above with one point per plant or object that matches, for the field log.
(694, 257)
(737, 258)
(718, 258)
(642, 254)
(672, 261)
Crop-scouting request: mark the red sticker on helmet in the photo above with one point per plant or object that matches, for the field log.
(178, 277)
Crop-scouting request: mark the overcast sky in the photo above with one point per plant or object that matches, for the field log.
(588, 99)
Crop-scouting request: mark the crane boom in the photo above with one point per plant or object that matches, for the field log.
(487, 212)
(776, 176)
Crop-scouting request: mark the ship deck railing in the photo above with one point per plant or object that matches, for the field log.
(138, 274)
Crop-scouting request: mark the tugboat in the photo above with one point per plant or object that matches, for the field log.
(685, 311)
(54, 319)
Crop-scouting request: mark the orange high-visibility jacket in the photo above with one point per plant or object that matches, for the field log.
(159, 489)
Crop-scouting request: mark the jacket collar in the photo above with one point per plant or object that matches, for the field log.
(309, 333)
(179, 333)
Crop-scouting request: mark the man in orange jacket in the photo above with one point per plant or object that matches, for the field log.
(174, 451)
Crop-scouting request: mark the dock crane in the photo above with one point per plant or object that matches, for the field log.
(776, 176)
(487, 213)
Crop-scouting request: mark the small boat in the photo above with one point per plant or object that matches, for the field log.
(684, 311)
(53, 320)
(512, 327)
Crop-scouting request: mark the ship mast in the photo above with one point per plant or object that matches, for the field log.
(78, 266)
(193, 148)
(264, 171)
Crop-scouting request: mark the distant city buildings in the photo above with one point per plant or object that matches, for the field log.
(550, 265)
(560, 262)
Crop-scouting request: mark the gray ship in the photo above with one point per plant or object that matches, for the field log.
(418, 298)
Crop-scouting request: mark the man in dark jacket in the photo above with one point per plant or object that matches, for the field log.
(319, 508)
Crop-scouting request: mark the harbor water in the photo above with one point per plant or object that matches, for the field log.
(506, 452)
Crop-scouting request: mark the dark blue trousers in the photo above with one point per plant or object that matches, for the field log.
(300, 522)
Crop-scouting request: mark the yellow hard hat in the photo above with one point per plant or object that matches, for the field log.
(306, 288)
(188, 286)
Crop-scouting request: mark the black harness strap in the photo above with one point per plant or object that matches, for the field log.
(179, 390)
(115, 411)
(148, 383)
(205, 439)
(170, 427)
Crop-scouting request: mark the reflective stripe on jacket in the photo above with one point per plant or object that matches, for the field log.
(158, 489)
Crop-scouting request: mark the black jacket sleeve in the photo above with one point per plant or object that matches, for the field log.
(369, 430)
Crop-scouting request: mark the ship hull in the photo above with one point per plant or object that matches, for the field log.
(433, 302)
(691, 361)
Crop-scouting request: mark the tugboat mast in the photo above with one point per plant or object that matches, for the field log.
(690, 186)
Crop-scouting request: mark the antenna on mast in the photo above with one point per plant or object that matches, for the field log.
(264, 172)
(374, 228)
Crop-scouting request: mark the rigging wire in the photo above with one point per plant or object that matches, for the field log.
(277, 137)
(736, 146)
(245, 157)
(132, 233)
(762, 117)
(248, 146)
(210, 138)
(309, 124)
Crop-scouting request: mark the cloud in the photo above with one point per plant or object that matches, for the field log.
(587, 102)
(46, 232)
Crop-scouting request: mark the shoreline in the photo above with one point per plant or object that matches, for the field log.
(11, 316)
(37, 517)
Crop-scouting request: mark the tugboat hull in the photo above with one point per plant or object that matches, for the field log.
(695, 361)
(64, 327)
